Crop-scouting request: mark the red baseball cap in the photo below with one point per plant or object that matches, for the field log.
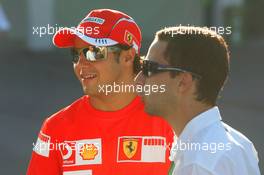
(102, 27)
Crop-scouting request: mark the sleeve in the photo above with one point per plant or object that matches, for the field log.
(46, 157)
(226, 165)
(236, 164)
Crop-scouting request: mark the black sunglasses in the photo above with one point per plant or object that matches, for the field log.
(150, 67)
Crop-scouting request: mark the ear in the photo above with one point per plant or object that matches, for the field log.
(185, 82)
(127, 56)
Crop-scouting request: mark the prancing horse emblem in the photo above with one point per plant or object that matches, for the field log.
(130, 147)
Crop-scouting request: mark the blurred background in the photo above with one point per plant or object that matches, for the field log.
(36, 79)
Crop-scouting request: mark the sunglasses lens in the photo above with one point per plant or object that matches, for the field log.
(94, 53)
(149, 68)
(91, 53)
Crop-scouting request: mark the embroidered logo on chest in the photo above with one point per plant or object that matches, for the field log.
(141, 149)
(81, 152)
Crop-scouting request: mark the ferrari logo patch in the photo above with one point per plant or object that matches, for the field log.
(141, 149)
(128, 38)
(130, 147)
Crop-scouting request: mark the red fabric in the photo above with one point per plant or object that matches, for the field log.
(109, 142)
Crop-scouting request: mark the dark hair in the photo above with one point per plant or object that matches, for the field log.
(136, 64)
(201, 51)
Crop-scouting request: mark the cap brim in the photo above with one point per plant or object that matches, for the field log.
(64, 38)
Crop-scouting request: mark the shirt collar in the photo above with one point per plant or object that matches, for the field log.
(200, 122)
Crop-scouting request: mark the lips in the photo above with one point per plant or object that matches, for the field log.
(88, 75)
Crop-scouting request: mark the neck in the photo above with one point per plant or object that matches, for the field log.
(182, 114)
(112, 102)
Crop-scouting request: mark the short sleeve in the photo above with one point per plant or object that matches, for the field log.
(46, 158)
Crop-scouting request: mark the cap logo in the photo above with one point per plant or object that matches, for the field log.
(128, 38)
(94, 20)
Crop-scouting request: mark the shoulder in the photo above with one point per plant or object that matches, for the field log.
(222, 146)
(236, 138)
(158, 122)
(226, 163)
(63, 117)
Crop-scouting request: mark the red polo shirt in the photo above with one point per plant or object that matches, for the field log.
(80, 140)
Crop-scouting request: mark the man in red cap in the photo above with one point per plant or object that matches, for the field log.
(103, 133)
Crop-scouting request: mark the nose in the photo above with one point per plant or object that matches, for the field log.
(83, 60)
(140, 78)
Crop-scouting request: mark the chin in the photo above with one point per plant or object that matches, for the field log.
(89, 91)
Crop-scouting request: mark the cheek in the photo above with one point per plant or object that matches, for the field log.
(159, 86)
(76, 70)
(109, 71)
(154, 80)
